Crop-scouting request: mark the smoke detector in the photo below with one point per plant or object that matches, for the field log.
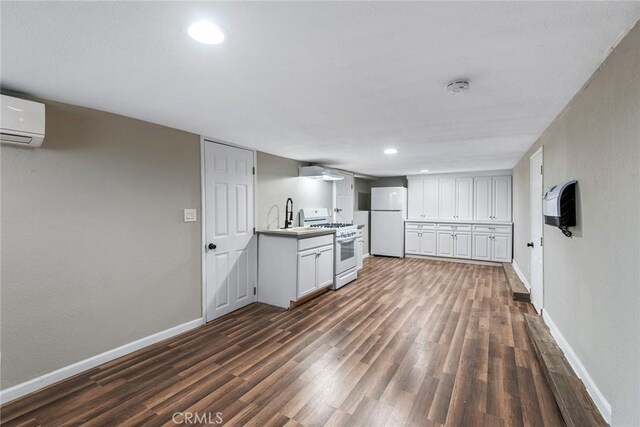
(457, 86)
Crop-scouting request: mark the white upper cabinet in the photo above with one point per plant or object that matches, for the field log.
(464, 199)
(430, 197)
(460, 198)
(492, 196)
(482, 197)
(501, 198)
(447, 198)
(416, 201)
(423, 199)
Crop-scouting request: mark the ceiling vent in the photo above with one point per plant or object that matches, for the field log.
(458, 86)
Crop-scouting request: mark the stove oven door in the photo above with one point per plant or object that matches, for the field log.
(345, 254)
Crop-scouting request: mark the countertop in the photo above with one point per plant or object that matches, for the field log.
(459, 221)
(298, 232)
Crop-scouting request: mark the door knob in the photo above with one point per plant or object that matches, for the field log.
(211, 246)
(530, 244)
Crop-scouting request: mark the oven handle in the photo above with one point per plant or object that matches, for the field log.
(347, 241)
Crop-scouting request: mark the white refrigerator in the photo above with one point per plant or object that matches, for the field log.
(388, 212)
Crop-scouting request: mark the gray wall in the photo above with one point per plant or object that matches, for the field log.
(390, 181)
(592, 280)
(94, 251)
(277, 179)
(362, 194)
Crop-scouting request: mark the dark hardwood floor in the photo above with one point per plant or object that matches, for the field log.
(412, 342)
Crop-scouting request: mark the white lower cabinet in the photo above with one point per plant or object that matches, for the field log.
(420, 239)
(462, 245)
(482, 246)
(483, 242)
(306, 272)
(315, 270)
(412, 242)
(428, 242)
(291, 268)
(445, 243)
(492, 243)
(324, 267)
(501, 248)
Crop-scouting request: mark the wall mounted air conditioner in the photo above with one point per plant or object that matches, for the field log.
(21, 122)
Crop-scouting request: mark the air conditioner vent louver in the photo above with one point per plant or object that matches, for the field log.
(15, 139)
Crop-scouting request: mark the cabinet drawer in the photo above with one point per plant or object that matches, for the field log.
(454, 227)
(420, 226)
(314, 242)
(503, 229)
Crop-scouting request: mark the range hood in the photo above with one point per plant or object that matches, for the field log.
(319, 172)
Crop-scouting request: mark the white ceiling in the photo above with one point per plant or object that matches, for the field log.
(332, 82)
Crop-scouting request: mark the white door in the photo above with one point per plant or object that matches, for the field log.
(535, 193)
(482, 198)
(307, 274)
(428, 242)
(412, 242)
(482, 246)
(430, 198)
(343, 190)
(324, 267)
(415, 199)
(230, 259)
(501, 248)
(445, 243)
(464, 198)
(447, 199)
(501, 198)
(462, 248)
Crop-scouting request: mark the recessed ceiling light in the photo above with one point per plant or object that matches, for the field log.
(424, 170)
(206, 32)
(390, 151)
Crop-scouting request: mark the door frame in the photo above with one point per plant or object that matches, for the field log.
(334, 194)
(203, 219)
(539, 151)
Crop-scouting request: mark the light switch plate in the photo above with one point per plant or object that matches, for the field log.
(190, 215)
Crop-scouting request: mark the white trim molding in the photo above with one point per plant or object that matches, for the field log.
(598, 398)
(203, 218)
(58, 375)
(523, 279)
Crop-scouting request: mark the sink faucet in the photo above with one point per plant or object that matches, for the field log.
(288, 214)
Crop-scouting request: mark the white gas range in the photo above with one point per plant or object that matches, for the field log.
(346, 235)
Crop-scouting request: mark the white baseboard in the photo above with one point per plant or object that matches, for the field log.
(523, 279)
(458, 260)
(365, 255)
(593, 390)
(45, 380)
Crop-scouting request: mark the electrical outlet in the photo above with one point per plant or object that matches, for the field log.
(190, 215)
